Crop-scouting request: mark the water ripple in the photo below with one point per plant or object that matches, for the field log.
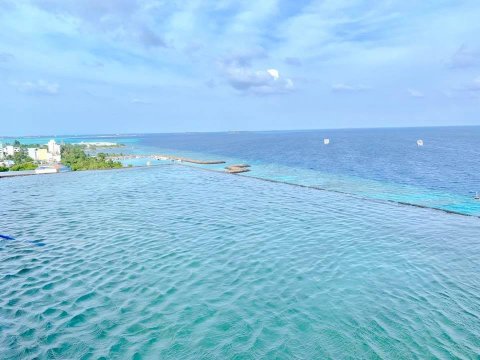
(179, 263)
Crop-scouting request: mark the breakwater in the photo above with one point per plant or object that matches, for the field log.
(237, 168)
(167, 157)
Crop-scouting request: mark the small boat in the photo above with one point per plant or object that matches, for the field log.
(420, 142)
(46, 170)
(51, 169)
(326, 141)
(477, 196)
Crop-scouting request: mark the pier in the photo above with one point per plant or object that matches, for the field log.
(167, 157)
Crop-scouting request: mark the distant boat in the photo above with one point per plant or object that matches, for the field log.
(149, 163)
(46, 170)
(477, 196)
(326, 141)
(420, 142)
(53, 169)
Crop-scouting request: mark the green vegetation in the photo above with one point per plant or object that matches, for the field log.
(20, 158)
(23, 166)
(74, 157)
(3, 169)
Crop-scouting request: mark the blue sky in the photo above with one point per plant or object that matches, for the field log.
(121, 66)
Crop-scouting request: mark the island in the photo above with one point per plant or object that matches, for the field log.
(52, 157)
(76, 159)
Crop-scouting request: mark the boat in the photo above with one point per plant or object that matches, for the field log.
(326, 141)
(477, 196)
(51, 169)
(46, 170)
(420, 142)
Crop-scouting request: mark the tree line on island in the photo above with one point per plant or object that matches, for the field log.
(75, 157)
(72, 155)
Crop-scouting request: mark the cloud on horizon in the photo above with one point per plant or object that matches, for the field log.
(39, 87)
(415, 93)
(348, 88)
(464, 57)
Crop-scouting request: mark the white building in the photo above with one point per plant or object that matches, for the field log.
(7, 163)
(9, 150)
(32, 152)
(54, 148)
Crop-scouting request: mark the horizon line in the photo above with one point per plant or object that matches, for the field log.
(234, 131)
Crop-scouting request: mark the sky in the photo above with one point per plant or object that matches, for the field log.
(137, 66)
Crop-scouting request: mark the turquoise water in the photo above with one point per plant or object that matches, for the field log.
(374, 164)
(177, 263)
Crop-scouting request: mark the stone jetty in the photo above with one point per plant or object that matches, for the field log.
(167, 157)
(231, 169)
(238, 168)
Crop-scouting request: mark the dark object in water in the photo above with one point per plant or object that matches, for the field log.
(37, 242)
(34, 242)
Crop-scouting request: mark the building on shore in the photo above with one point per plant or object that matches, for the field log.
(52, 154)
(54, 148)
(7, 163)
(10, 150)
(32, 153)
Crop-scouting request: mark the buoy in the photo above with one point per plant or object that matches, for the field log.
(326, 141)
(420, 142)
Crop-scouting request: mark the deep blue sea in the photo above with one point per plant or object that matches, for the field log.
(377, 164)
(174, 262)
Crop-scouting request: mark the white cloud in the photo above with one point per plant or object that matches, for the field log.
(260, 82)
(274, 73)
(240, 74)
(415, 93)
(343, 87)
(39, 87)
(140, 101)
(464, 58)
(473, 87)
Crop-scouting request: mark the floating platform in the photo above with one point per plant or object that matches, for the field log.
(238, 168)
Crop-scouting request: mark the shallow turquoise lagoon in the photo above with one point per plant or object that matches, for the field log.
(172, 262)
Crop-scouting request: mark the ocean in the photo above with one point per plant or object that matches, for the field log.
(174, 262)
